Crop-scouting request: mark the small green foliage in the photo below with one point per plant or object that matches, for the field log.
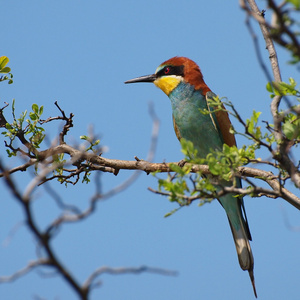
(269, 87)
(290, 123)
(10, 153)
(204, 185)
(3, 62)
(215, 104)
(14, 128)
(176, 189)
(171, 212)
(35, 132)
(225, 163)
(92, 142)
(86, 177)
(291, 126)
(252, 127)
(59, 171)
(182, 171)
(188, 150)
(283, 88)
(222, 164)
(5, 70)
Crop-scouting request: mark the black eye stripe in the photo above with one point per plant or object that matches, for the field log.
(171, 70)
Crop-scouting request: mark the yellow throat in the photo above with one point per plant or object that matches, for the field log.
(167, 83)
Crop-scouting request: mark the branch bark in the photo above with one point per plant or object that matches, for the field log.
(95, 162)
(282, 152)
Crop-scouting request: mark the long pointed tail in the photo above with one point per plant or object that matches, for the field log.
(235, 210)
(241, 238)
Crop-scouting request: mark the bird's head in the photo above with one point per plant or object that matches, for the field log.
(173, 71)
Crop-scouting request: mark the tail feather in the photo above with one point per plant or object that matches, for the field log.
(252, 281)
(241, 238)
(235, 210)
(243, 248)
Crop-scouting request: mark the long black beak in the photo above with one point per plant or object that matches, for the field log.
(146, 78)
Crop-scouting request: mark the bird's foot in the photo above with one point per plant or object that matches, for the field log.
(182, 163)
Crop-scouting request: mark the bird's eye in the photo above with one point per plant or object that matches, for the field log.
(166, 70)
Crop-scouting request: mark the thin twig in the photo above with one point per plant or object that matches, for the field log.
(124, 270)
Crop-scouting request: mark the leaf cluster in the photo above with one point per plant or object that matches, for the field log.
(5, 70)
(184, 187)
(32, 129)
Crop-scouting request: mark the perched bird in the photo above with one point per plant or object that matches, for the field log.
(182, 81)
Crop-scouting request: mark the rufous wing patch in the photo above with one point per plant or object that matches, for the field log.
(224, 125)
(177, 132)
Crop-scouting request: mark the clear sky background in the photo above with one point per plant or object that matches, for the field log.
(80, 53)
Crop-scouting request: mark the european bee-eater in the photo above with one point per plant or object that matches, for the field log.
(182, 81)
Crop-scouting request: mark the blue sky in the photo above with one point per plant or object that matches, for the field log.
(80, 53)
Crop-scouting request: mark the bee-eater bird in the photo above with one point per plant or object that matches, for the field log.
(182, 81)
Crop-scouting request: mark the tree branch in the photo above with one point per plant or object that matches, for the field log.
(282, 152)
(90, 282)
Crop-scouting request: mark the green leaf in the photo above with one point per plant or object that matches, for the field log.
(33, 116)
(190, 153)
(252, 125)
(8, 126)
(292, 80)
(256, 115)
(288, 130)
(35, 108)
(3, 61)
(171, 212)
(175, 168)
(269, 87)
(41, 110)
(283, 88)
(5, 70)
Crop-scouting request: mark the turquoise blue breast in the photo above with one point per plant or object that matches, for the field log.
(192, 124)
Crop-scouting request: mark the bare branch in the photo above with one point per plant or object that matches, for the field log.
(259, 16)
(31, 266)
(257, 50)
(2, 118)
(89, 283)
(294, 45)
